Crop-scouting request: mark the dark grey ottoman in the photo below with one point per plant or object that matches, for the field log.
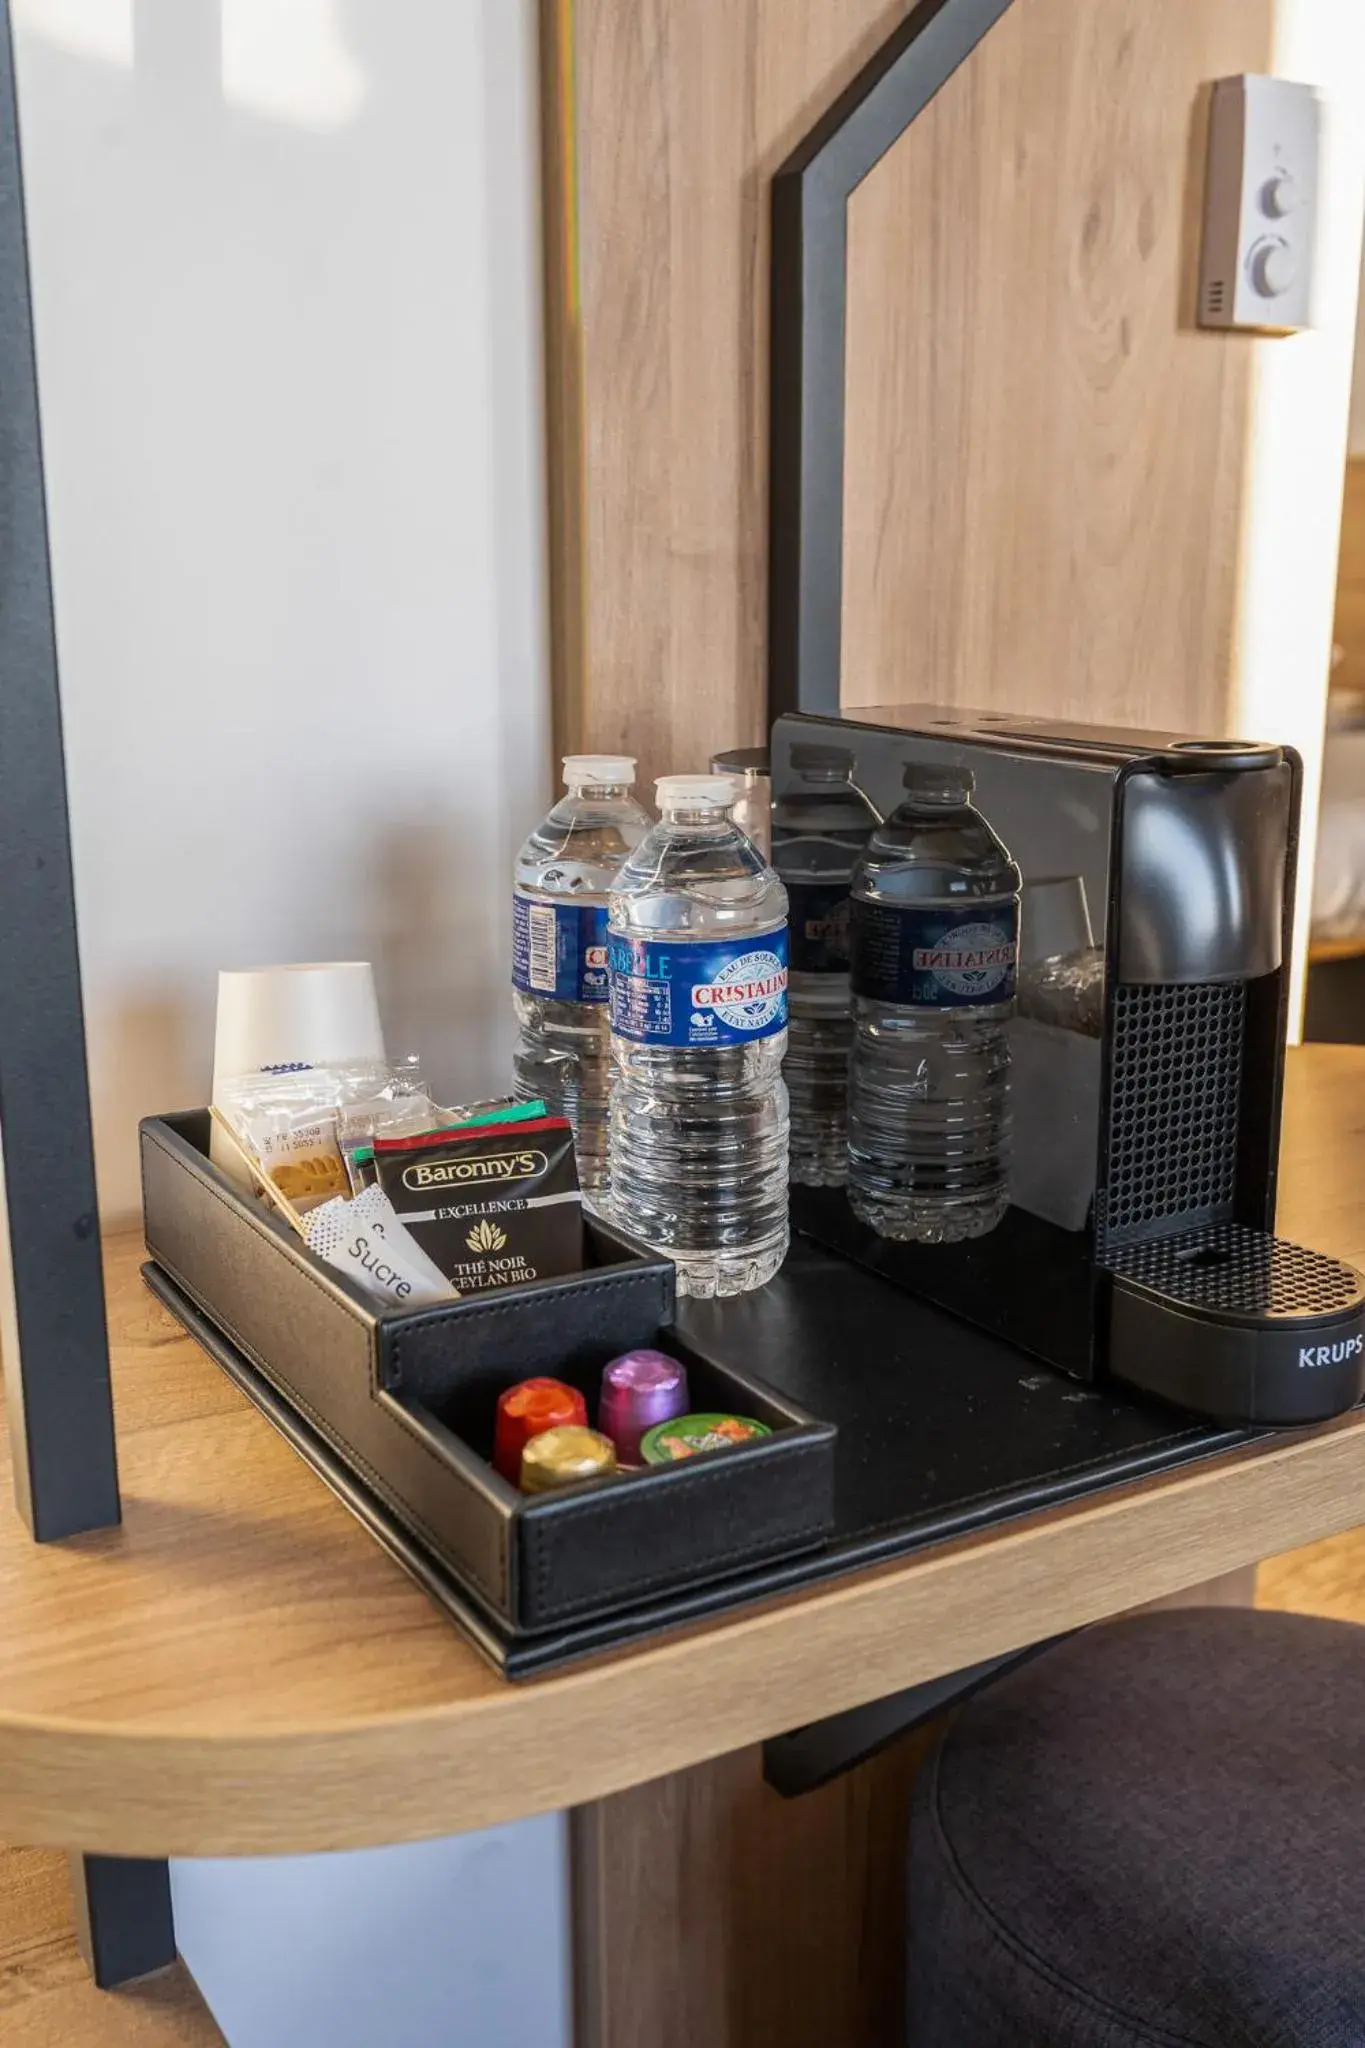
(1153, 1834)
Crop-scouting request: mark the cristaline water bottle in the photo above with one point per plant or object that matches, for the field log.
(559, 951)
(821, 825)
(935, 937)
(699, 1025)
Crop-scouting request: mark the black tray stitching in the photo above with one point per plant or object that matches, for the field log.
(334, 1436)
(243, 1214)
(815, 1535)
(605, 1510)
(1062, 1473)
(605, 1283)
(462, 1313)
(286, 1386)
(464, 1310)
(471, 1306)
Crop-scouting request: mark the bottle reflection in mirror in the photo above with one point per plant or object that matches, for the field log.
(750, 771)
(1061, 969)
(821, 823)
(935, 933)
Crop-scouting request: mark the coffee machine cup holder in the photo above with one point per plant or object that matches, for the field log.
(1237, 1324)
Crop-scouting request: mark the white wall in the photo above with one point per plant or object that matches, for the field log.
(286, 293)
(285, 267)
(455, 1944)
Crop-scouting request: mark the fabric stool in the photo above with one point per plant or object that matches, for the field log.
(1153, 1834)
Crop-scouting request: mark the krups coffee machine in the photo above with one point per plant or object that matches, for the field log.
(1146, 1065)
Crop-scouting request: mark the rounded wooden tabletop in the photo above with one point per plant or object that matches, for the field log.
(240, 1669)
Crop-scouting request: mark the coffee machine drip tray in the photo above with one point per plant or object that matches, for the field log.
(1237, 1323)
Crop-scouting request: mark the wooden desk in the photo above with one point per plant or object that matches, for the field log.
(239, 1669)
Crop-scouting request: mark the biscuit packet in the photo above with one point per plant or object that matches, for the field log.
(288, 1119)
(401, 1108)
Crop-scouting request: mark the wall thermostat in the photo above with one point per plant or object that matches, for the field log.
(1260, 205)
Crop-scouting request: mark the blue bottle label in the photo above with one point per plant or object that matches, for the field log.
(934, 959)
(559, 950)
(818, 919)
(699, 993)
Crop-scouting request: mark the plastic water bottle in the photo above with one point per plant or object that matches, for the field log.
(935, 938)
(699, 1026)
(559, 951)
(821, 825)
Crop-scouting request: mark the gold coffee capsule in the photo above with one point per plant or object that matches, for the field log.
(564, 1456)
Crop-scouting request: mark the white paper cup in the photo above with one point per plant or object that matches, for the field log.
(314, 1014)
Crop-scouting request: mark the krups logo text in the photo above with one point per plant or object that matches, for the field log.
(1311, 1355)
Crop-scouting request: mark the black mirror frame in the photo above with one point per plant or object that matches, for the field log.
(52, 1321)
(807, 339)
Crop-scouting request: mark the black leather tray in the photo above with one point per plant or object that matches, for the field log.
(941, 1430)
(406, 1400)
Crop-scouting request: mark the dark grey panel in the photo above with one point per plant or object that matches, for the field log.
(56, 1351)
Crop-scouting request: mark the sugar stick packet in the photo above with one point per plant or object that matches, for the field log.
(364, 1238)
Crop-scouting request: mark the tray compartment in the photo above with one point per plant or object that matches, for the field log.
(407, 1401)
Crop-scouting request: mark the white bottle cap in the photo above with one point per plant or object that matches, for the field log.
(697, 792)
(604, 768)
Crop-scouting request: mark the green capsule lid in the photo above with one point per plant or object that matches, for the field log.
(688, 1435)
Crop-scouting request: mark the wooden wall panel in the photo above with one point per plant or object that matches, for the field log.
(1348, 633)
(710, 1913)
(1045, 457)
(683, 110)
(1045, 464)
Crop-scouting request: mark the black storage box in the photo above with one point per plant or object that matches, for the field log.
(407, 1401)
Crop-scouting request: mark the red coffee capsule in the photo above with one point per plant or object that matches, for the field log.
(527, 1410)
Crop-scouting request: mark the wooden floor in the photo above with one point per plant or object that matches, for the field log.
(47, 2001)
(46, 1997)
(1327, 1578)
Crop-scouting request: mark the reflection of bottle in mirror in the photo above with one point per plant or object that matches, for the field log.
(820, 828)
(1061, 969)
(559, 951)
(935, 935)
(752, 807)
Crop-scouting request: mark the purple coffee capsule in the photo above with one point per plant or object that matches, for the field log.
(639, 1389)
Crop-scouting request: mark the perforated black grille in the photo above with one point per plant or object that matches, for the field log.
(1175, 1079)
(1228, 1267)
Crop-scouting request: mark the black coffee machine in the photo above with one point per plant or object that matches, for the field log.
(1146, 1065)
